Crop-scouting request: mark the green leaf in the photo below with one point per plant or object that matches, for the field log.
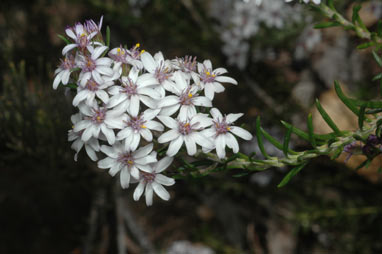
(363, 164)
(71, 85)
(63, 38)
(327, 118)
(260, 138)
(377, 58)
(241, 174)
(337, 153)
(361, 117)
(274, 142)
(376, 77)
(355, 15)
(286, 141)
(326, 24)
(312, 140)
(331, 5)
(365, 45)
(291, 174)
(302, 134)
(374, 111)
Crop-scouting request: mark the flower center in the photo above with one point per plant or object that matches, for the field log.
(89, 65)
(68, 63)
(126, 159)
(83, 40)
(120, 56)
(135, 53)
(184, 128)
(187, 64)
(92, 85)
(136, 123)
(129, 87)
(148, 177)
(207, 76)
(186, 98)
(99, 115)
(162, 73)
(221, 127)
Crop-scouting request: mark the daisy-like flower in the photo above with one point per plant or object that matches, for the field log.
(91, 27)
(187, 132)
(98, 119)
(119, 56)
(160, 69)
(91, 146)
(91, 90)
(82, 39)
(64, 70)
(187, 65)
(186, 98)
(93, 67)
(135, 127)
(127, 162)
(133, 89)
(221, 132)
(211, 80)
(150, 182)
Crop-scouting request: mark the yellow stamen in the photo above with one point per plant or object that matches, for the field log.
(72, 126)
(83, 34)
(89, 63)
(98, 118)
(189, 95)
(208, 73)
(130, 162)
(228, 128)
(137, 45)
(143, 126)
(142, 51)
(213, 75)
(186, 125)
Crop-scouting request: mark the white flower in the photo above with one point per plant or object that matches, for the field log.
(126, 161)
(221, 131)
(150, 182)
(98, 119)
(81, 38)
(211, 80)
(187, 65)
(91, 90)
(135, 127)
(185, 131)
(159, 68)
(93, 67)
(133, 89)
(91, 146)
(63, 71)
(186, 99)
(134, 56)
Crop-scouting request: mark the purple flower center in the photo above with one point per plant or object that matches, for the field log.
(187, 64)
(68, 63)
(129, 87)
(135, 53)
(148, 177)
(185, 128)
(89, 65)
(126, 158)
(91, 85)
(99, 115)
(221, 127)
(162, 73)
(207, 76)
(186, 98)
(120, 56)
(82, 40)
(136, 123)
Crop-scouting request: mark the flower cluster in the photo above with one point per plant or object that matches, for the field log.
(131, 103)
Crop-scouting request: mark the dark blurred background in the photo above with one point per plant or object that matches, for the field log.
(51, 204)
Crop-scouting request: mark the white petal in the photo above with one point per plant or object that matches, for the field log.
(180, 81)
(141, 152)
(147, 135)
(109, 133)
(134, 172)
(209, 91)
(164, 180)
(220, 146)
(80, 97)
(91, 153)
(168, 111)
(139, 190)
(98, 51)
(163, 164)
(148, 62)
(160, 191)
(65, 77)
(154, 125)
(70, 33)
(168, 101)
(149, 194)
(144, 167)
(238, 131)
(67, 48)
(149, 102)
(106, 163)
(232, 142)
(168, 136)
(168, 121)
(190, 145)
(150, 114)
(105, 70)
(149, 92)
(203, 141)
(109, 151)
(57, 80)
(88, 133)
(216, 114)
(174, 146)
(81, 125)
(124, 133)
(125, 178)
(202, 101)
(134, 105)
(116, 99)
(115, 169)
(225, 79)
(233, 117)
